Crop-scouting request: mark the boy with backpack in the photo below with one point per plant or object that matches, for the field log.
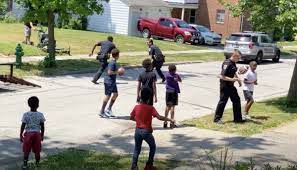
(147, 80)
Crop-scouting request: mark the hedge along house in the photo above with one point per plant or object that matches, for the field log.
(121, 16)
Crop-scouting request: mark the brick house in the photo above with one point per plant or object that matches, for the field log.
(212, 14)
(120, 16)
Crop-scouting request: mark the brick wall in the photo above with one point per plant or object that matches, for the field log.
(207, 16)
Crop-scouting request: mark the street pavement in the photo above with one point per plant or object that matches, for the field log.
(71, 105)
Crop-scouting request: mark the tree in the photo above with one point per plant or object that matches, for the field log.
(268, 15)
(271, 16)
(45, 11)
(3, 8)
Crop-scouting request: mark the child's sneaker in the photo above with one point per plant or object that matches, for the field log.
(103, 115)
(247, 117)
(150, 167)
(172, 125)
(165, 125)
(109, 113)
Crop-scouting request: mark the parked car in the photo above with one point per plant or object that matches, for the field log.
(252, 46)
(208, 37)
(171, 28)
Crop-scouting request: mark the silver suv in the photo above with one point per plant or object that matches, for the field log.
(252, 46)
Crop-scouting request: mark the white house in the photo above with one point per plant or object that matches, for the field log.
(121, 16)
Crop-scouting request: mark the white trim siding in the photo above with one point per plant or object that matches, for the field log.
(114, 19)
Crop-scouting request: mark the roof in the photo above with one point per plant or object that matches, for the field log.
(149, 3)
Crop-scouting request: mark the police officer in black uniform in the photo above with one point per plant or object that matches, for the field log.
(228, 77)
(103, 56)
(157, 57)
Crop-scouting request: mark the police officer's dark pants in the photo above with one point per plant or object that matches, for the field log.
(158, 65)
(103, 65)
(226, 92)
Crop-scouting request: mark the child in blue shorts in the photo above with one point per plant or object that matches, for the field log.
(110, 86)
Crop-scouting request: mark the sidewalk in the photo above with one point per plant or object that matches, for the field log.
(85, 56)
(71, 105)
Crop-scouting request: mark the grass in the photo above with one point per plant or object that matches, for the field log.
(74, 159)
(70, 66)
(266, 115)
(288, 43)
(81, 42)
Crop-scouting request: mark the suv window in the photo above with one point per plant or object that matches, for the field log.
(264, 39)
(255, 39)
(240, 37)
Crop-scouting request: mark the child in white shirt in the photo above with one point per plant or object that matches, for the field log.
(250, 79)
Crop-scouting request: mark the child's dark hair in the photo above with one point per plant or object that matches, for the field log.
(110, 38)
(145, 95)
(171, 68)
(147, 63)
(115, 52)
(33, 102)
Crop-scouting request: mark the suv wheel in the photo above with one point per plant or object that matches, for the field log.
(180, 39)
(202, 42)
(146, 33)
(276, 57)
(259, 58)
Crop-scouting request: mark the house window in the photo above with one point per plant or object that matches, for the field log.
(192, 16)
(220, 16)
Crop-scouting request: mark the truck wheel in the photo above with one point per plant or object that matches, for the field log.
(180, 39)
(146, 33)
(276, 57)
(259, 58)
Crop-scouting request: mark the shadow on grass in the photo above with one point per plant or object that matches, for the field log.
(282, 104)
(184, 146)
(63, 67)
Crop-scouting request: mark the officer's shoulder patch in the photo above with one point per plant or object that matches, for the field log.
(225, 66)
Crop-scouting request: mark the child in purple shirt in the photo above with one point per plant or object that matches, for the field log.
(172, 90)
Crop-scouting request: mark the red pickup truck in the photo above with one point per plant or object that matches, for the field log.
(171, 28)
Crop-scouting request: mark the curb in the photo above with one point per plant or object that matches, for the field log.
(126, 67)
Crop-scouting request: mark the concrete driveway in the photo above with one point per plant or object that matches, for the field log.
(71, 104)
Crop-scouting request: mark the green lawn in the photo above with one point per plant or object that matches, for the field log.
(73, 159)
(68, 66)
(288, 43)
(80, 42)
(265, 115)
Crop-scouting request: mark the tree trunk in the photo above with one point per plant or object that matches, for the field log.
(292, 95)
(9, 5)
(51, 35)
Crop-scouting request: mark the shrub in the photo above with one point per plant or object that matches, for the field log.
(76, 23)
(8, 18)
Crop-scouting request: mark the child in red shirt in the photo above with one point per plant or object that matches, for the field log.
(143, 115)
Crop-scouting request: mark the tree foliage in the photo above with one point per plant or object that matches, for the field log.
(267, 15)
(45, 11)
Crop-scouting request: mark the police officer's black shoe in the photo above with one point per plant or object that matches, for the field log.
(239, 121)
(95, 82)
